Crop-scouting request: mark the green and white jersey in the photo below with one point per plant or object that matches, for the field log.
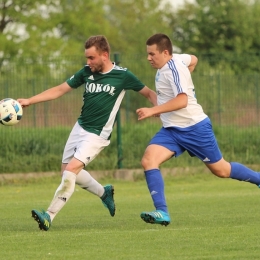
(102, 97)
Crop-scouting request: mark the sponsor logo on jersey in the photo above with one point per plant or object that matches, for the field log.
(71, 77)
(91, 77)
(96, 88)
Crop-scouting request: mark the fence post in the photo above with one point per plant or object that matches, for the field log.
(257, 93)
(219, 99)
(119, 132)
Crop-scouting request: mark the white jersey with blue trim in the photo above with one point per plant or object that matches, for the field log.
(172, 79)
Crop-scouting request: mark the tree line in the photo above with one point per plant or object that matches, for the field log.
(59, 28)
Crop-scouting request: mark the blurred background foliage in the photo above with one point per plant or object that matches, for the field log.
(42, 44)
(55, 28)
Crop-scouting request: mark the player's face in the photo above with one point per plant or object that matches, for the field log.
(95, 60)
(157, 59)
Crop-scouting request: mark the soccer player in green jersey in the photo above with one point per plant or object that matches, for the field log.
(105, 85)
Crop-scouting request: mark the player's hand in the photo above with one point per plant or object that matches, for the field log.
(144, 112)
(24, 102)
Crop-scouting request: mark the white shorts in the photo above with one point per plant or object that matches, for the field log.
(83, 145)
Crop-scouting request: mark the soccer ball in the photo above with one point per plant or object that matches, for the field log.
(10, 111)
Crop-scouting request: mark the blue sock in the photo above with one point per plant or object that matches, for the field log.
(155, 185)
(242, 173)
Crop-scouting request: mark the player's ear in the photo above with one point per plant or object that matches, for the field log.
(105, 54)
(166, 53)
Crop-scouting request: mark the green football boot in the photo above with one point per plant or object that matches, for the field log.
(43, 219)
(108, 199)
(156, 217)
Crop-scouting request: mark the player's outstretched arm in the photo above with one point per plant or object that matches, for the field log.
(176, 103)
(190, 60)
(149, 94)
(193, 63)
(46, 95)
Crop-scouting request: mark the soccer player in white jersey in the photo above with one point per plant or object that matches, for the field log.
(105, 85)
(185, 126)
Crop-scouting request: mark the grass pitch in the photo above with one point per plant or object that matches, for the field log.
(211, 219)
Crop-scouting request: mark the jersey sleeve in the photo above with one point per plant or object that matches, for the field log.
(186, 58)
(76, 80)
(132, 82)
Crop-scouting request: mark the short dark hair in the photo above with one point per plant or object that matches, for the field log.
(99, 41)
(162, 41)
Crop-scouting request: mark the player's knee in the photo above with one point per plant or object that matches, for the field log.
(145, 162)
(221, 173)
(63, 167)
(221, 168)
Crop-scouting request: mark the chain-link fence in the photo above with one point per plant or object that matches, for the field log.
(230, 98)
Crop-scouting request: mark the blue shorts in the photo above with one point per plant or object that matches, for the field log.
(198, 140)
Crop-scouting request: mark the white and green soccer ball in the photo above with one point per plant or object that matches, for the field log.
(11, 111)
